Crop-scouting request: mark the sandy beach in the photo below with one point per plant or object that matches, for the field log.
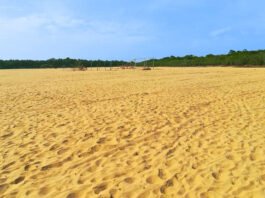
(168, 132)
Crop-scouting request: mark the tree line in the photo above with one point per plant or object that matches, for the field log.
(233, 58)
(57, 63)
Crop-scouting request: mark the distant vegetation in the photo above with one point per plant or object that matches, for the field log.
(233, 58)
(57, 63)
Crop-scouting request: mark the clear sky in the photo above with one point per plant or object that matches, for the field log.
(128, 29)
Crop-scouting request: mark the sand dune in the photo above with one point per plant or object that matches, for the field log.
(169, 132)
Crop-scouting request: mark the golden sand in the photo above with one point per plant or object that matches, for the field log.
(169, 132)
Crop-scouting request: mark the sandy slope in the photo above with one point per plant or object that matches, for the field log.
(180, 132)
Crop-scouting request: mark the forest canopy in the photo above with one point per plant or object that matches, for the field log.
(233, 58)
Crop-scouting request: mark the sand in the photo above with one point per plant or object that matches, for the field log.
(169, 132)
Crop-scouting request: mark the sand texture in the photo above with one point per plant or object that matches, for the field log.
(169, 132)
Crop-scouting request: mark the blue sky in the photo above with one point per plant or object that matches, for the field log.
(123, 29)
